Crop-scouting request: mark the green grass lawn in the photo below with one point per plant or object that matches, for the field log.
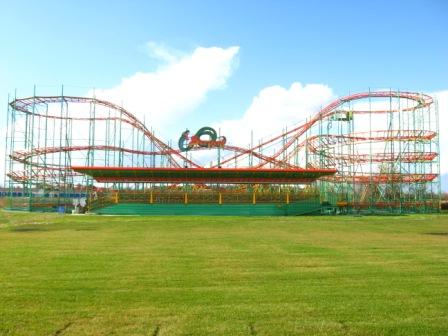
(92, 275)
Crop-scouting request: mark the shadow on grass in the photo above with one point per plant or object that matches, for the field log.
(27, 229)
(47, 228)
(436, 233)
(61, 330)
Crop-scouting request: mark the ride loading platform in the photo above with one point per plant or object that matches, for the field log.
(204, 191)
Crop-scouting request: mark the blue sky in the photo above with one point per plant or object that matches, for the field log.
(347, 46)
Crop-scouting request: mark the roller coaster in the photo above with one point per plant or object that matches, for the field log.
(370, 152)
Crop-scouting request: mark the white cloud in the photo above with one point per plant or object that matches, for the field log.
(275, 108)
(176, 87)
(160, 51)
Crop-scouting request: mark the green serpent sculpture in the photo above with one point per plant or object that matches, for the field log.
(198, 141)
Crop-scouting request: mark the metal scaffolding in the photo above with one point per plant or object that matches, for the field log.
(384, 146)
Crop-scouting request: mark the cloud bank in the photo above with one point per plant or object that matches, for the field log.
(176, 87)
(275, 108)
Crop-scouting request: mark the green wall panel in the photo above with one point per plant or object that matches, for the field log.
(298, 208)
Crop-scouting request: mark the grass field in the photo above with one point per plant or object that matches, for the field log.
(87, 275)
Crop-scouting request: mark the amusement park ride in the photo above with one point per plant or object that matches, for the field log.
(371, 152)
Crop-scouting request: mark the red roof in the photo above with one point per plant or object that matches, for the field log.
(204, 175)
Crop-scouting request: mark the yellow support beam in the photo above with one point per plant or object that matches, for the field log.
(254, 198)
(186, 198)
(220, 198)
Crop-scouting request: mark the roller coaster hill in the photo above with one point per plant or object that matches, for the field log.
(372, 153)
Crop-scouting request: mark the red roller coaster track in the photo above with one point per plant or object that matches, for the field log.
(279, 159)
